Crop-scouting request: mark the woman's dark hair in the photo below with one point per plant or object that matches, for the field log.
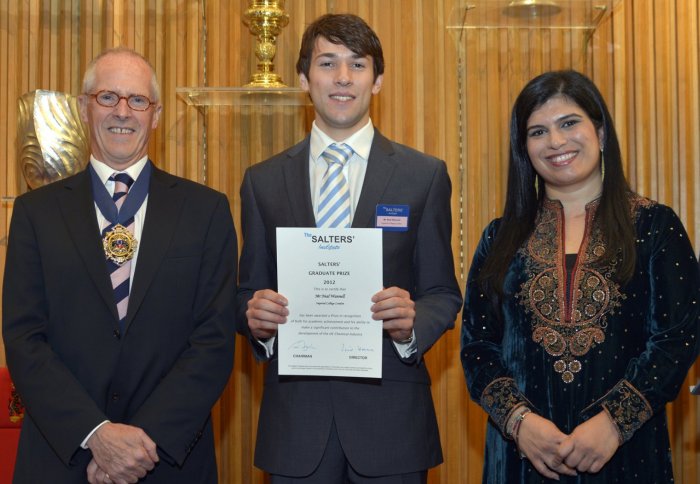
(342, 29)
(613, 216)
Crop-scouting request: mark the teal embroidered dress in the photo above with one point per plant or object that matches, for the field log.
(622, 349)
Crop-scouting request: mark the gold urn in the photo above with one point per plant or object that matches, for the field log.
(265, 19)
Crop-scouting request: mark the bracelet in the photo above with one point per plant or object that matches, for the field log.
(516, 428)
(509, 425)
(518, 420)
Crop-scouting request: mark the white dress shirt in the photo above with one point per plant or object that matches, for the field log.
(104, 172)
(354, 171)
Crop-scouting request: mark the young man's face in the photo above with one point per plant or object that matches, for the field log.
(341, 84)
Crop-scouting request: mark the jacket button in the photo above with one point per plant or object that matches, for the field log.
(117, 334)
(115, 396)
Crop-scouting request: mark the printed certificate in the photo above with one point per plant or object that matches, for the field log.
(329, 277)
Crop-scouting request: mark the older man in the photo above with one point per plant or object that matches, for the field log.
(118, 303)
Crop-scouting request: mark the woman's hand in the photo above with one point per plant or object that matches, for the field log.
(591, 445)
(540, 441)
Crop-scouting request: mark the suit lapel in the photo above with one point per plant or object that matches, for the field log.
(296, 175)
(162, 212)
(380, 167)
(78, 209)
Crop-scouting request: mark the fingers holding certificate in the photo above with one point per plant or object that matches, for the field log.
(266, 310)
(395, 307)
(329, 278)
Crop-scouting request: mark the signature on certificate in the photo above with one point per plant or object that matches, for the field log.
(348, 348)
(302, 345)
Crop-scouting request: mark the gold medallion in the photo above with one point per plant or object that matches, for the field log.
(119, 244)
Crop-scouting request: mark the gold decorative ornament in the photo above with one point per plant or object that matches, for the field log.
(15, 406)
(52, 141)
(119, 244)
(265, 19)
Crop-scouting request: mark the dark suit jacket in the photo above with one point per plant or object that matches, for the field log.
(71, 365)
(386, 426)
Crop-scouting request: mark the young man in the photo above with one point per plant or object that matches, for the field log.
(337, 430)
(118, 303)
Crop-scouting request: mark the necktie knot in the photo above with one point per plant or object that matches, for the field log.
(122, 179)
(122, 183)
(337, 153)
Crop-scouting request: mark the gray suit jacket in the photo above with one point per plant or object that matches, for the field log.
(72, 366)
(386, 426)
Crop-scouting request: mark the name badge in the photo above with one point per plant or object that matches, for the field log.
(392, 218)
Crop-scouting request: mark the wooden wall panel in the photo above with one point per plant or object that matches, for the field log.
(657, 104)
(645, 60)
(449, 97)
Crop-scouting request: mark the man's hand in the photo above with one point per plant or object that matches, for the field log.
(266, 310)
(540, 440)
(591, 445)
(122, 452)
(395, 307)
(95, 475)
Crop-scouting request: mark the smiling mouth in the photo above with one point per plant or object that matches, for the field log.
(116, 130)
(562, 159)
(341, 97)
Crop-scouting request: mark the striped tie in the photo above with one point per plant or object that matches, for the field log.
(334, 202)
(120, 274)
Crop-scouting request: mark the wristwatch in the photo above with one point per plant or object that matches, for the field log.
(405, 341)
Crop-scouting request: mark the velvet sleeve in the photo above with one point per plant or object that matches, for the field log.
(667, 261)
(488, 380)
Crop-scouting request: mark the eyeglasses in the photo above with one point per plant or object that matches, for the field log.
(110, 99)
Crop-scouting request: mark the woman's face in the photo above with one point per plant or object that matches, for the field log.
(564, 146)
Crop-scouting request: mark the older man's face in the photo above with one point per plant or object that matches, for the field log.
(119, 135)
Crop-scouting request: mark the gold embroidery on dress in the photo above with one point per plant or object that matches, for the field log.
(628, 408)
(499, 398)
(594, 294)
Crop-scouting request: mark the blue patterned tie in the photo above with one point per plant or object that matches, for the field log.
(334, 202)
(120, 274)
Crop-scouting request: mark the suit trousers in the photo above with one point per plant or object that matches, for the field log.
(334, 468)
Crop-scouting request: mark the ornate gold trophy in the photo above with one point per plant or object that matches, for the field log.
(265, 19)
(52, 141)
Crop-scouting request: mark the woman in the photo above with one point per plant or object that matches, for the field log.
(583, 301)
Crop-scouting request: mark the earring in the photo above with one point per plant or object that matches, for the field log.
(602, 165)
(537, 187)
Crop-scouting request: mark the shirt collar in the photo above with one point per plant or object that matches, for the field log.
(104, 171)
(360, 141)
